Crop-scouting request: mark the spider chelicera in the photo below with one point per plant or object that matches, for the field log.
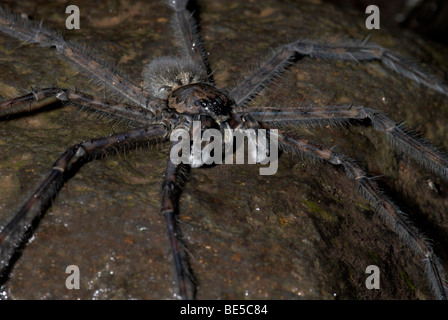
(154, 112)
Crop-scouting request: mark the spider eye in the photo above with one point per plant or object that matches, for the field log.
(201, 99)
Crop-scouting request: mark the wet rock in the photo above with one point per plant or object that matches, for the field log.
(302, 233)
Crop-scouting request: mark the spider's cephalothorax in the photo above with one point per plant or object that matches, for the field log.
(186, 86)
(201, 99)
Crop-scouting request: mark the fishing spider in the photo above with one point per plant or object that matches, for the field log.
(178, 91)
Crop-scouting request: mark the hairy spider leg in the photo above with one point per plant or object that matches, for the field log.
(187, 36)
(173, 180)
(284, 56)
(188, 39)
(32, 32)
(15, 233)
(426, 155)
(243, 93)
(41, 99)
(414, 147)
(390, 214)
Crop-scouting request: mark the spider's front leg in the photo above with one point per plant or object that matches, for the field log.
(284, 56)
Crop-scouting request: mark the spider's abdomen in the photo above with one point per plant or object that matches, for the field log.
(201, 98)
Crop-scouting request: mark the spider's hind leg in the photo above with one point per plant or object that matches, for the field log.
(391, 215)
(15, 233)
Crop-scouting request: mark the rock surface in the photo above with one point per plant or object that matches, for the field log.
(302, 233)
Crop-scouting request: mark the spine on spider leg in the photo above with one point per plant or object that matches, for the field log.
(172, 185)
(265, 73)
(15, 233)
(19, 229)
(107, 110)
(307, 116)
(360, 51)
(304, 148)
(391, 215)
(338, 50)
(26, 30)
(28, 103)
(418, 149)
(187, 35)
(32, 32)
(411, 70)
(110, 110)
(398, 221)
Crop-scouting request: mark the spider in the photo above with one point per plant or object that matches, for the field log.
(276, 112)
